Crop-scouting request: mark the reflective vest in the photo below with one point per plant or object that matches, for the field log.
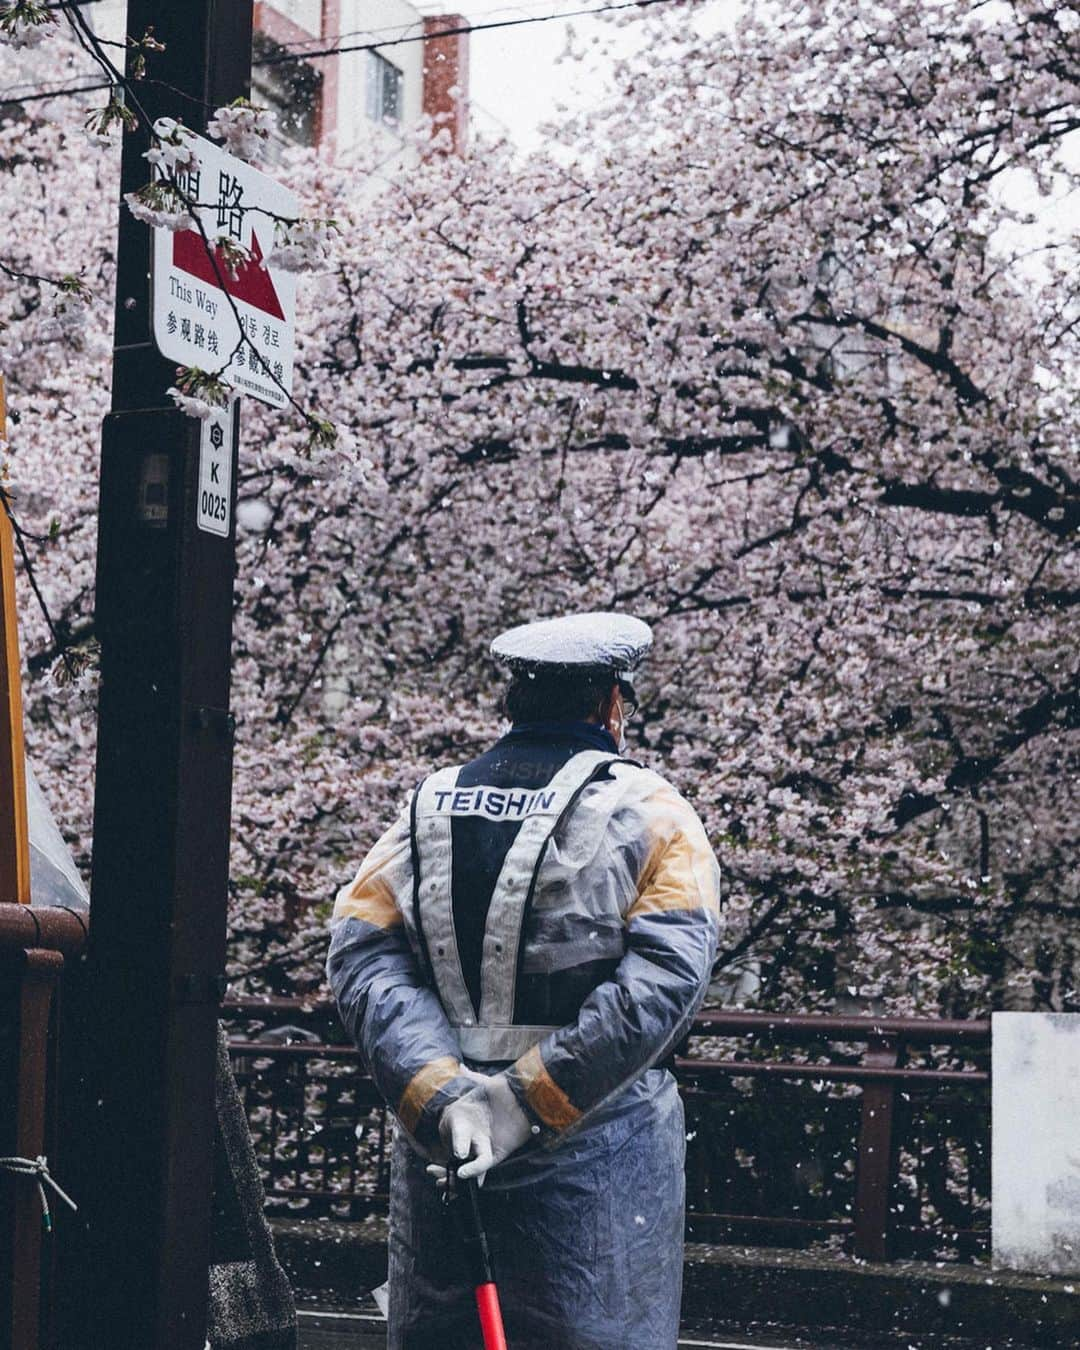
(490, 1034)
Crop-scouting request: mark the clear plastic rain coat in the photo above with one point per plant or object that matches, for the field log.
(548, 912)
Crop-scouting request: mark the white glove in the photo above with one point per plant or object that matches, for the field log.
(483, 1127)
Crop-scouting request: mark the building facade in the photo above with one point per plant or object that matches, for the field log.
(369, 91)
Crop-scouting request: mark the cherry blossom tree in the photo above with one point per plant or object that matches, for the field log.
(770, 348)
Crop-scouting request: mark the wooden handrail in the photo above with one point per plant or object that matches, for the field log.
(42, 927)
(826, 1026)
(877, 1068)
(686, 1068)
(797, 1027)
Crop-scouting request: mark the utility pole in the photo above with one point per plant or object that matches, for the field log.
(141, 1021)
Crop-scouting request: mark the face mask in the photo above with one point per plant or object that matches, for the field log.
(627, 692)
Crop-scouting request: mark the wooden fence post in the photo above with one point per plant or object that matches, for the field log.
(874, 1164)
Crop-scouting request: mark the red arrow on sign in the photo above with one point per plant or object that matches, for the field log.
(250, 282)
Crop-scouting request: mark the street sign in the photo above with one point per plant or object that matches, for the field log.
(237, 323)
(213, 508)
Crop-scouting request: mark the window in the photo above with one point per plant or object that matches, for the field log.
(293, 90)
(383, 90)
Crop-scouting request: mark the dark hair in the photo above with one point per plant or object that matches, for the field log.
(558, 693)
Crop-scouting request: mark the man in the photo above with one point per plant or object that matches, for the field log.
(514, 957)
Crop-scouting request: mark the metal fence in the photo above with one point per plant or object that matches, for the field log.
(871, 1133)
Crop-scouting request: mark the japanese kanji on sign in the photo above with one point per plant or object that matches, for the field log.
(235, 322)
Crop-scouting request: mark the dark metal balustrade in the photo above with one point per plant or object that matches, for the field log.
(871, 1132)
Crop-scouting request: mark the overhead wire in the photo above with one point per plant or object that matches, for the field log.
(299, 44)
(53, 93)
(49, 86)
(289, 56)
(456, 32)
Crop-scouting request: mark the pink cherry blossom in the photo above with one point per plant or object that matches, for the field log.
(765, 348)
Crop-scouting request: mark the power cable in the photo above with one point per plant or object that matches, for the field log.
(299, 44)
(456, 32)
(50, 86)
(53, 93)
(287, 56)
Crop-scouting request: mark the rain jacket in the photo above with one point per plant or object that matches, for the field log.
(548, 912)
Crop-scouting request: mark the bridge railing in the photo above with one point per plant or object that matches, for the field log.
(864, 1132)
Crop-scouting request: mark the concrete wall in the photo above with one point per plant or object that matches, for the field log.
(108, 19)
(1035, 1125)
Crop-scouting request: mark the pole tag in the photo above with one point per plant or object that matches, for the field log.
(214, 505)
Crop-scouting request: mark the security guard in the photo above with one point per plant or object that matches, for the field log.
(514, 957)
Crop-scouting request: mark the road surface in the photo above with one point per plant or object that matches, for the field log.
(324, 1328)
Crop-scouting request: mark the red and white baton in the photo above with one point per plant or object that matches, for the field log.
(464, 1197)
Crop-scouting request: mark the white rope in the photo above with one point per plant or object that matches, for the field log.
(38, 1168)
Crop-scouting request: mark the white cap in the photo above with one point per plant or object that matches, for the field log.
(616, 641)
